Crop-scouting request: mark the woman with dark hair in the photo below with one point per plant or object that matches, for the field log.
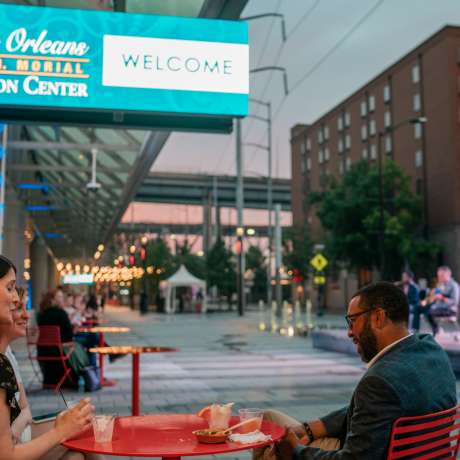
(8, 272)
(67, 424)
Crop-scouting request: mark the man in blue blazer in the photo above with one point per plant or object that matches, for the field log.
(407, 375)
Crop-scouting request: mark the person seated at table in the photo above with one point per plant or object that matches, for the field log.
(68, 423)
(443, 301)
(52, 313)
(407, 375)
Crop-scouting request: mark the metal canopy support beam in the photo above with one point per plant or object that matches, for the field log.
(150, 150)
(222, 9)
(34, 145)
(58, 168)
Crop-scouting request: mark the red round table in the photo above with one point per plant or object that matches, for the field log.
(101, 330)
(135, 351)
(168, 436)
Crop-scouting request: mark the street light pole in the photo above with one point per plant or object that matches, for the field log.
(381, 134)
(240, 228)
(381, 206)
(268, 120)
(240, 197)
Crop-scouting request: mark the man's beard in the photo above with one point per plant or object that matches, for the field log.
(368, 342)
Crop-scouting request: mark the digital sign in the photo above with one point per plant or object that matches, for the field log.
(94, 64)
(76, 278)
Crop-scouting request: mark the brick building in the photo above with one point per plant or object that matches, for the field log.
(423, 83)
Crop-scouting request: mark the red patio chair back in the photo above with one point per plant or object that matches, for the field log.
(431, 436)
(50, 337)
(32, 339)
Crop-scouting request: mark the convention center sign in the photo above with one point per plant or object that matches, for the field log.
(132, 70)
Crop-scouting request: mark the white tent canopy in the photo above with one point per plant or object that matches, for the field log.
(182, 278)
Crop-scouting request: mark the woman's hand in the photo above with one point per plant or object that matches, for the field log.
(72, 421)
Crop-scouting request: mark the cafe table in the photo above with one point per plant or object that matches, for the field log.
(135, 352)
(101, 330)
(168, 436)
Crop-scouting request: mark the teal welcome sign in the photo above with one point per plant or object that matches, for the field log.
(66, 65)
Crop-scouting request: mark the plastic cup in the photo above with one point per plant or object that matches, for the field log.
(72, 403)
(103, 427)
(219, 416)
(254, 425)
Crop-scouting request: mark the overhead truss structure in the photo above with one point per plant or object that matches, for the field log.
(50, 166)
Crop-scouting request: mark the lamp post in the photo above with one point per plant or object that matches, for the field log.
(239, 191)
(268, 148)
(381, 134)
(144, 295)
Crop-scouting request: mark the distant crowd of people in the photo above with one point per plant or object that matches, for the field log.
(442, 301)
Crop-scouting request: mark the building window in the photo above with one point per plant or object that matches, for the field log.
(308, 144)
(302, 148)
(340, 145)
(320, 136)
(365, 153)
(372, 128)
(341, 167)
(320, 156)
(364, 132)
(371, 103)
(326, 133)
(308, 164)
(415, 74)
(373, 152)
(348, 141)
(363, 109)
(387, 119)
(348, 163)
(386, 93)
(326, 154)
(339, 123)
(302, 165)
(347, 120)
(418, 130)
(418, 158)
(417, 102)
(388, 144)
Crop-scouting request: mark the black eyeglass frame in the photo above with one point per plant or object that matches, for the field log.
(350, 318)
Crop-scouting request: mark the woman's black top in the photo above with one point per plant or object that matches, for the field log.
(56, 316)
(9, 383)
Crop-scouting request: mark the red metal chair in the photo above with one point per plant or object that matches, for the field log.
(32, 339)
(432, 436)
(50, 337)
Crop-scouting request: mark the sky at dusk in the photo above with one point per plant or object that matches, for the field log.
(325, 62)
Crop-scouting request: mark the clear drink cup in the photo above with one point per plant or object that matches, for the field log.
(255, 424)
(220, 416)
(103, 427)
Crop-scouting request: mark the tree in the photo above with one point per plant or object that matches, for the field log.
(195, 264)
(159, 258)
(255, 261)
(220, 269)
(349, 211)
(297, 251)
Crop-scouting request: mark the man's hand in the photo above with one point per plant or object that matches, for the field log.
(285, 448)
(299, 430)
(292, 438)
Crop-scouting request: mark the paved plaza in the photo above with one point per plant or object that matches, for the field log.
(221, 358)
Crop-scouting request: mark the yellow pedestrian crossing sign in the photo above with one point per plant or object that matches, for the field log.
(319, 262)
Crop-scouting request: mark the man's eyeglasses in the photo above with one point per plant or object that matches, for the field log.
(350, 319)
